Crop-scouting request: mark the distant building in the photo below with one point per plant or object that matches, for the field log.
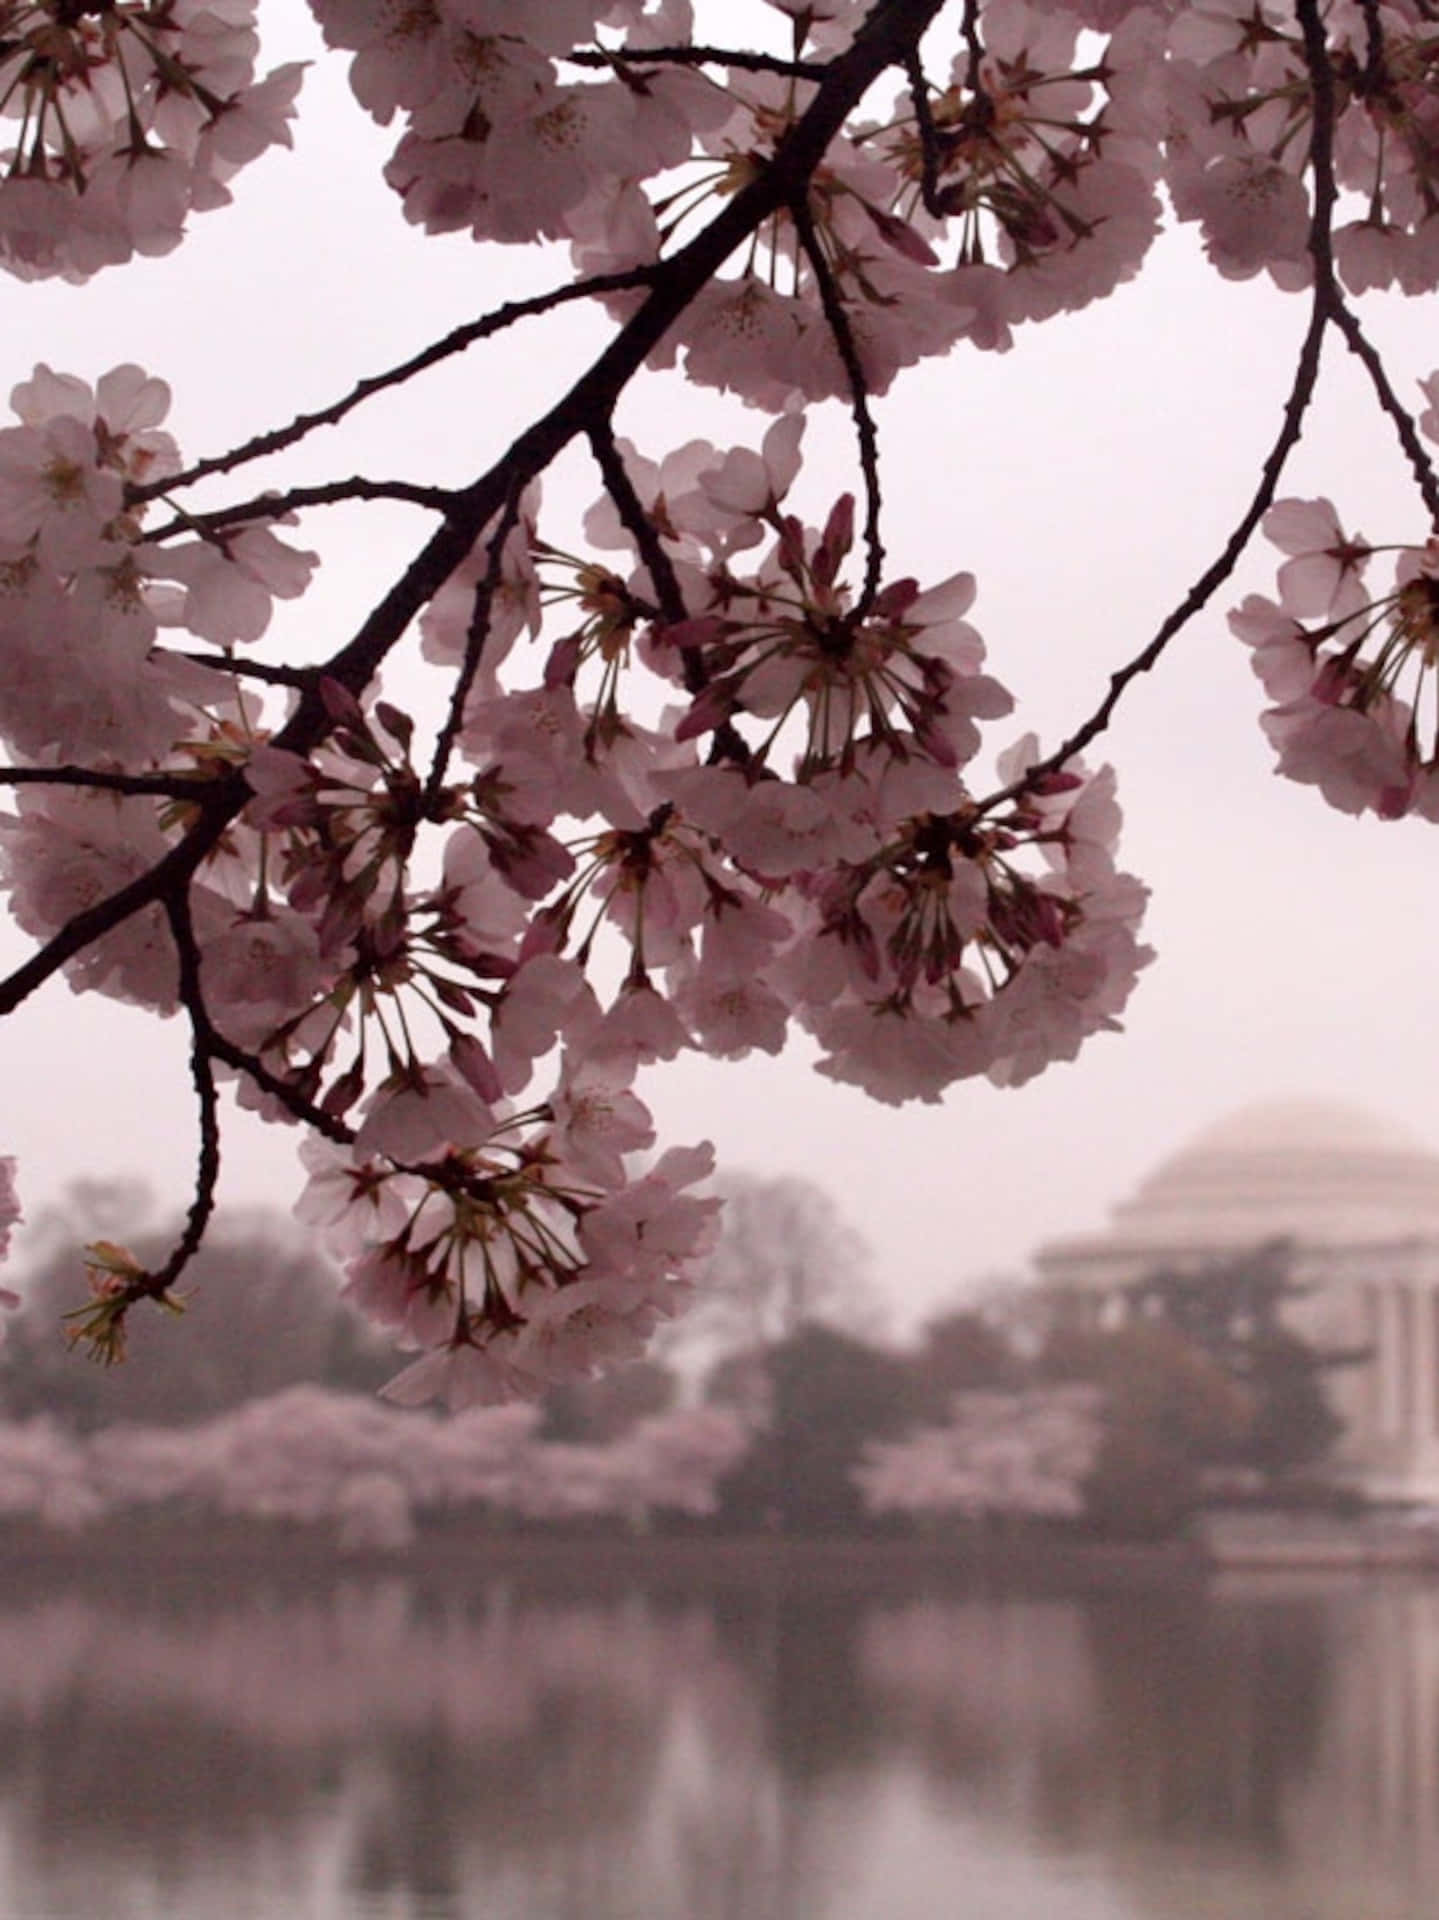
(1359, 1200)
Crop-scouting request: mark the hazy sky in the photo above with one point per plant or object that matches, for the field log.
(1087, 478)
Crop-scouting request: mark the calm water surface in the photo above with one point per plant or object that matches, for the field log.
(398, 1748)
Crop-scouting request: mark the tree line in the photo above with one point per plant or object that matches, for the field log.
(1203, 1393)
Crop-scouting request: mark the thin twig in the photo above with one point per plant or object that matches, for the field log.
(202, 1075)
(868, 440)
(746, 61)
(928, 135)
(1417, 454)
(301, 678)
(171, 786)
(475, 638)
(270, 506)
(456, 341)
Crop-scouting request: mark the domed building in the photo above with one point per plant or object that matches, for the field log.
(1358, 1200)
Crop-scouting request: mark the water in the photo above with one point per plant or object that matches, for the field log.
(418, 1747)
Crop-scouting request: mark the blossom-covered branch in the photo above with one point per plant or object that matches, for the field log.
(707, 769)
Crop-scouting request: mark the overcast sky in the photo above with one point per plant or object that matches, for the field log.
(1086, 478)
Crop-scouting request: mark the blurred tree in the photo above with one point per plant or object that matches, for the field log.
(594, 1412)
(1233, 1310)
(1171, 1412)
(959, 1351)
(1010, 1455)
(262, 1312)
(827, 1394)
(785, 1258)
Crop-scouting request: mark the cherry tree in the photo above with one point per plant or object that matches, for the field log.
(1025, 1452)
(307, 1456)
(716, 772)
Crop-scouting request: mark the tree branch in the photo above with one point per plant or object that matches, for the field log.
(270, 506)
(928, 136)
(1417, 454)
(168, 878)
(843, 334)
(885, 39)
(171, 786)
(207, 1171)
(251, 1065)
(742, 59)
(456, 341)
(475, 637)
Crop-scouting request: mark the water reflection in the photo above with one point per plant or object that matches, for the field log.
(406, 1749)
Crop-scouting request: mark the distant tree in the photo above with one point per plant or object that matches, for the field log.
(1170, 1414)
(959, 1352)
(827, 1395)
(1023, 1454)
(596, 1411)
(1233, 1310)
(785, 1258)
(262, 1312)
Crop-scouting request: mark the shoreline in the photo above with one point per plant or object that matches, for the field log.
(152, 1557)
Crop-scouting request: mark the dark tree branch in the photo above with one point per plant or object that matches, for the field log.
(727, 743)
(844, 341)
(456, 341)
(294, 1102)
(1376, 69)
(976, 49)
(1322, 252)
(271, 506)
(301, 678)
(1417, 454)
(928, 136)
(167, 879)
(172, 786)
(886, 37)
(475, 638)
(638, 524)
(744, 60)
(207, 1171)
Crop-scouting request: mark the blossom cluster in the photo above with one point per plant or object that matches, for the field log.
(1021, 181)
(84, 597)
(828, 863)
(1348, 663)
(130, 117)
(722, 772)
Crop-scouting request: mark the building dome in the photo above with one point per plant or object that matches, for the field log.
(1314, 1172)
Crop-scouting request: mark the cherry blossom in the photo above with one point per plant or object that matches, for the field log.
(703, 764)
(1348, 664)
(130, 118)
(1020, 1453)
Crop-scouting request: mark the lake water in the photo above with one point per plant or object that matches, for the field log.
(795, 1747)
